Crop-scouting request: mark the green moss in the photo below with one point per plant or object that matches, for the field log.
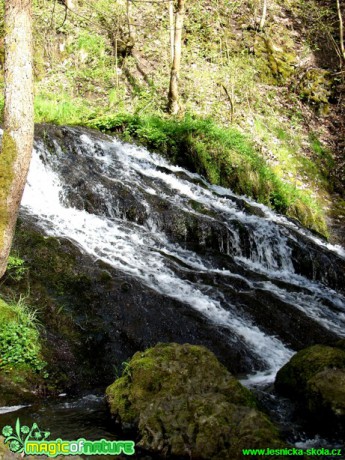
(315, 377)
(315, 87)
(307, 213)
(177, 395)
(166, 369)
(274, 63)
(293, 378)
(7, 158)
(326, 393)
(6, 312)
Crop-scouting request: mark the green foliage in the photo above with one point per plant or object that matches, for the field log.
(15, 268)
(91, 43)
(323, 157)
(18, 345)
(19, 338)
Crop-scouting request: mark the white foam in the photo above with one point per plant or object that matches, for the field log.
(7, 409)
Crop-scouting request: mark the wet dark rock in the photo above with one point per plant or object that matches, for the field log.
(204, 230)
(96, 317)
(12, 393)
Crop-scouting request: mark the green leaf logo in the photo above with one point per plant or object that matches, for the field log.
(17, 437)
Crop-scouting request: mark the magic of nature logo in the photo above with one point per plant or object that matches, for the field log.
(34, 441)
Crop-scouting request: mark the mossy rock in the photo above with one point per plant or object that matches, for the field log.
(12, 392)
(341, 344)
(326, 394)
(316, 377)
(315, 87)
(185, 403)
(207, 426)
(275, 62)
(292, 379)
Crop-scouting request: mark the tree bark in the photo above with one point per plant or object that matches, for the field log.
(173, 96)
(18, 133)
(172, 31)
(341, 29)
(131, 28)
(263, 16)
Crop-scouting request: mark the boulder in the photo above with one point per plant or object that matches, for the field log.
(326, 393)
(315, 377)
(185, 404)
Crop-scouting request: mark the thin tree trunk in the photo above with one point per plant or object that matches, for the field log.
(17, 139)
(341, 30)
(263, 16)
(131, 28)
(172, 32)
(173, 96)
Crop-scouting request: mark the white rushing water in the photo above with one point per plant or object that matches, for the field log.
(141, 250)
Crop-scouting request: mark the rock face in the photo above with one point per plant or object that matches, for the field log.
(11, 392)
(316, 377)
(186, 404)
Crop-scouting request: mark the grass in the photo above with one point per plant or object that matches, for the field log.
(61, 110)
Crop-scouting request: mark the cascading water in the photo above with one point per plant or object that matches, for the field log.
(248, 271)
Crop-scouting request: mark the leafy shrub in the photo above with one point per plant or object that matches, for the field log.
(18, 345)
(19, 337)
(15, 268)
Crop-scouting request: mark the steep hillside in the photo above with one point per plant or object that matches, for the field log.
(272, 97)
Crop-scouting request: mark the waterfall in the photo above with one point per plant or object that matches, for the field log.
(188, 240)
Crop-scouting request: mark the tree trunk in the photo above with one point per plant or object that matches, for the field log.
(263, 16)
(173, 96)
(341, 29)
(131, 28)
(172, 32)
(18, 119)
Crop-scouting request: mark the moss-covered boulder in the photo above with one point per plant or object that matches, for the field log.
(315, 87)
(341, 344)
(316, 377)
(326, 393)
(292, 379)
(186, 404)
